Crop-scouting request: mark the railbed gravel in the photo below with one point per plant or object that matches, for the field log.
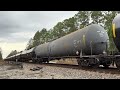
(51, 72)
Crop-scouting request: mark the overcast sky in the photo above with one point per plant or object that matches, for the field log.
(17, 27)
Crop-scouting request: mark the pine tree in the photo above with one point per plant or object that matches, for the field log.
(36, 38)
(1, 55)
(97, 17)
(82, 19)
(29, 44)
(13, 52)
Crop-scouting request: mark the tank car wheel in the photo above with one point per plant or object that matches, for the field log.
(79, 62)
(39, 60)
(118, 67)
(106, 66)
(82, 63)
(95, 66)
(47, 61)
(95, 63)
(117, 62)
(34, 60)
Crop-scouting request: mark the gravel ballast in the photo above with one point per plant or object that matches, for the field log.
(50, 72)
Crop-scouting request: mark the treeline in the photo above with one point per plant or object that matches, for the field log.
(1, 54)
(78, 21)
(12, 53)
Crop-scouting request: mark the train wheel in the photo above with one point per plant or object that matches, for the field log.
(95, 65)
(79, 62)
(106, 66)
(39, 60)
(47, 61)
(34, 60)
(94, 62)
(117, 62)
(83, 63)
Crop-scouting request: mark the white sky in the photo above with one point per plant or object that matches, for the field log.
(17, 27)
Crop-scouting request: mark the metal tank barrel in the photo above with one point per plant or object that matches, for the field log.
(91, 37)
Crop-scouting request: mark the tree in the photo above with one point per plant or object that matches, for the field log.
(70, 25)
(58, 30)
(43, 36)
(97, 17)
(30, 44)
(13, 52)
(36, 38)
(1, 54)
(82, 18)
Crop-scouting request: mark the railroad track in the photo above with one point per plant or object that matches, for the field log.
(110, 70)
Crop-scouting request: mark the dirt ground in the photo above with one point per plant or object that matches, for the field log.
(38, 71)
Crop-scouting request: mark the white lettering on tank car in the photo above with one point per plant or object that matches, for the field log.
(101, 33)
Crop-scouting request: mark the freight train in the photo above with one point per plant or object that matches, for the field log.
(88, 45)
